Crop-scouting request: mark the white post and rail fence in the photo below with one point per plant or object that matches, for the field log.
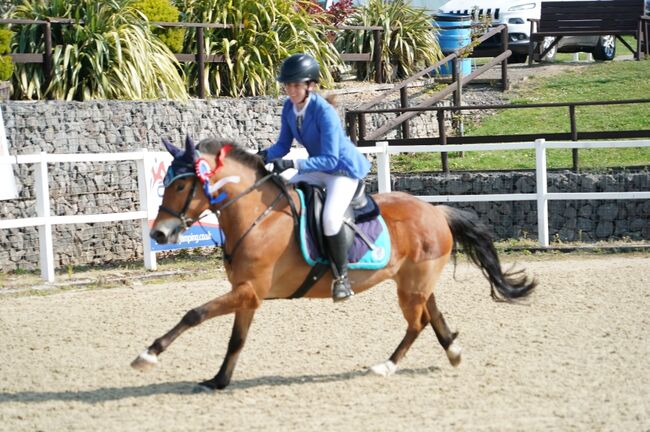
(149, 163)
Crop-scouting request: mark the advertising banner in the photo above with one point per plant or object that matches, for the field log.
(205, 232)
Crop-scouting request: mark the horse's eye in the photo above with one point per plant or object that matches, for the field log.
(180, 186)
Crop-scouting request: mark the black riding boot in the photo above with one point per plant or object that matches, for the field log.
(338, 246)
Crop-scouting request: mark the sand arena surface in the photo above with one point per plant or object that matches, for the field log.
(575, 357)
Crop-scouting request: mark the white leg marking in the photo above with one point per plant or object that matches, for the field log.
(145, 361)
(453, 353)
(385, 369)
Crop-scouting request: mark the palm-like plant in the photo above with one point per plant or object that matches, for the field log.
(263, 33)
(408, 38)
(108, 53)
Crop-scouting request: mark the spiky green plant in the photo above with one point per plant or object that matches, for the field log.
(409, 39)
(272, 30)
(108, 53)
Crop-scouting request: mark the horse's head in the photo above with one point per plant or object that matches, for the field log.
(196, 180)
(181, 205)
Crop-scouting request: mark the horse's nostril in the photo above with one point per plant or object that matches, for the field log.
(158, 236)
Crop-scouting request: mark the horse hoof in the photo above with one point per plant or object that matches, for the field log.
(145, 361)
(384, 369)
(453, 354)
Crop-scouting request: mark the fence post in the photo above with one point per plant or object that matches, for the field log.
(376, 35)
(200, 60)
(351, 123)
(404, 103)
(362, 126)
(383, 167)
(42, 190)
(443, 140)
(145, 166)
(574, 137)
(456, 116)
(504, 64)
(47, 58)
(542, 201)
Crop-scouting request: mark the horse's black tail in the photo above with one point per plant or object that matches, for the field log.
(474, 237)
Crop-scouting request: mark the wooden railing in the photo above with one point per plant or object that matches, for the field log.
(355, 119)
(443, 139)
(200, 57)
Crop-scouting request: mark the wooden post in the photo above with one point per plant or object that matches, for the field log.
(456, 120)
(47, 59)
(362, 126)
(574, 137)
(639, 39)
(200, 60)
(505, 85)
(376, 35)
(443, 139)
(351, 121)
(404, 103)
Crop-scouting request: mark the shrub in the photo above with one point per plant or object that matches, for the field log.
(408, 38)
(163, 11)
(112, 55)
(6, 65)
(272, 30)
(340, 11)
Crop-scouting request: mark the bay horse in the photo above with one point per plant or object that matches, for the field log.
(263, 260)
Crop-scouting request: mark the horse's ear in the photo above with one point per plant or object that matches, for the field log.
(190, 149)
(171, 148)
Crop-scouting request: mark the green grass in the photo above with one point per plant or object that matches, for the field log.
(599, 81)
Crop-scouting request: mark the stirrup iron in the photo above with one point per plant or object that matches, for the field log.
(341, 289)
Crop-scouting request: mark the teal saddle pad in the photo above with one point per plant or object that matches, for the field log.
(361, 256)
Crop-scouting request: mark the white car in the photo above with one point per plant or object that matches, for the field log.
(515, 13)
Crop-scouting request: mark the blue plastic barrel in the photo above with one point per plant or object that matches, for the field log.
(454, 32)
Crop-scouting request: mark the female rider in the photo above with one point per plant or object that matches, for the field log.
(333, 163)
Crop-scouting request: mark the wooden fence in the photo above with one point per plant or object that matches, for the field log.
(442, 138)
(200, 56)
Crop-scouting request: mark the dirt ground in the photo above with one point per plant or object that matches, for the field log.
(573, 357)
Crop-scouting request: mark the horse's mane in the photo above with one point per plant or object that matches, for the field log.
(213, 146)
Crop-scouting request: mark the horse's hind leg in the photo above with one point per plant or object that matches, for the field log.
(415, 282)
(243, 320)
(413, 308)
(445, 336)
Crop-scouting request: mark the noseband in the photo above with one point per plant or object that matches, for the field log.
(187, 222)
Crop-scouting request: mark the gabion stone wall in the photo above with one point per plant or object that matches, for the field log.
(117, 126)
(579, 220)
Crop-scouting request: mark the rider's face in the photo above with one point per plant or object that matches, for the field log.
(297, 91)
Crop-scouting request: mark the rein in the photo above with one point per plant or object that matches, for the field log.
(204, 178)
(284, 192)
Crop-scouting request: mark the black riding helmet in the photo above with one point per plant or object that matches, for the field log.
(299, 68)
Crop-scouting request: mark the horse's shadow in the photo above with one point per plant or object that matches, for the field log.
(187, 387)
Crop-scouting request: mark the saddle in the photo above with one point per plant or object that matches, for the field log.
(371, 245)
(363, 208)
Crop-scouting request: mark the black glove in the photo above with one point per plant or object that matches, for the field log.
(281, 165)
(263, 154)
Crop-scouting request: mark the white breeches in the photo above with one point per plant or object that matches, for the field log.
(340, 191)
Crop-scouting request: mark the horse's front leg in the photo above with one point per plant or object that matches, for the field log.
(243, 320)
(242, 297)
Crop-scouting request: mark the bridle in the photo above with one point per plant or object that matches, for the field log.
(187, 222)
